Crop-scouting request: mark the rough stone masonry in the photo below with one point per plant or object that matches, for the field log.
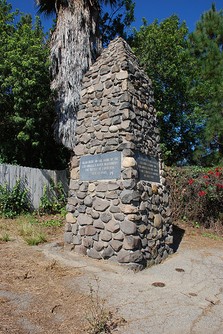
(118, 205)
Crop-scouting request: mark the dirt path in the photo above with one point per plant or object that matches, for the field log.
(45, 289)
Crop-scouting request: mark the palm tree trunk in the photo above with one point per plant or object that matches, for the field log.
(74, 46)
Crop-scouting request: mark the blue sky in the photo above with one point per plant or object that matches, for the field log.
(187, 10)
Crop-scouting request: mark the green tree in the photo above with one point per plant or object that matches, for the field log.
(116, 21)
(163, 52)
(75, 44)
(27, 113)
(206, 46)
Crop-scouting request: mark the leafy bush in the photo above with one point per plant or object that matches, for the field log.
(197, 194)
(53, 200)
(13, 201)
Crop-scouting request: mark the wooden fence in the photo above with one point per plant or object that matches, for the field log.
(33, 179)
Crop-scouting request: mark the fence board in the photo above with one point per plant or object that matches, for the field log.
(34, 180)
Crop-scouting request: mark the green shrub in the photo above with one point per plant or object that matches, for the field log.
(13, 201)
(53, 200)
(197, 194)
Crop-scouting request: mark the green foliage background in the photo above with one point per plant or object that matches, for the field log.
(26, 102)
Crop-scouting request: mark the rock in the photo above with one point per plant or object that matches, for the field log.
(114, 209)
(77, 240)
(102, 187)
(107, 252)
(94, 214)
(113, 128)
(122, 75)
(74, 173)
(112, 226)
(118, 236)
(90, 230)
(105, 236)
(131, 242)
(98, 245)
(91, 187)
(128, 227)
(125, 256)
(68, 227)
(157, 220)
(113, 186)
(105, 217)
(87, 242)
(88, 201)
(142, 228)
(80, 249)
(119, 216)
(80, 149)
(128, 208)
(83, 219)
(169, 240)
(94, 254)
(116, 245)
(98, 224)
(100, 204)
(74, 228)
(128, 162)
(68, 237)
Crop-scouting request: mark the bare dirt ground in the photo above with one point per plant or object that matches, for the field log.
(34, 297)
(44, 290)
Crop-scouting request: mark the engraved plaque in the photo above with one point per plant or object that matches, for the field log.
(148, 168)
(104, 166)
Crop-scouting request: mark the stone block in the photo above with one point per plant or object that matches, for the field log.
(88, 201)
(74, 228)
(128, 196)
(116, 245)
(105, 217)
(126, 208)
(94, 254)
(70, 218)
(157, 220)
(68, 237)
(125, 256)
(68, 227)
(98, 224)
(80, 249)
(118, 236)
(131, 242)
(100, 204)
(90, 230)
(77, 240)
(83, 219)
(87, 242)
(119, 216)
(128, 162)
(107, 252)
(105, 236)
(99, 245)
(112, 226)
(128, 227)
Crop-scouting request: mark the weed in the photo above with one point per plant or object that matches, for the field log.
(13, 201)
(53, 199)
(99, 320)
(5, 237)
(196, 224)
(211, 236)
(32, 234)
(36, 239)
(52, 223)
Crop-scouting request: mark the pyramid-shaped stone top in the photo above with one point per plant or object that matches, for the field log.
(116, 111)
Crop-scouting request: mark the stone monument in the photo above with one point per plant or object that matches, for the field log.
(118, 205)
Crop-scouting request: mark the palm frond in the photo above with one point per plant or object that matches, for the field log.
(47, 7)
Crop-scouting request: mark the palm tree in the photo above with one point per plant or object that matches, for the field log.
(75, 44)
